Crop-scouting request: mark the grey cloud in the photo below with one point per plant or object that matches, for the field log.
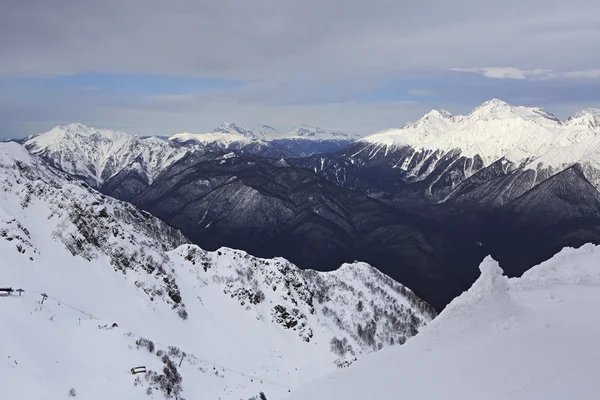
(533, 74)
(507, 72)
(311, 39)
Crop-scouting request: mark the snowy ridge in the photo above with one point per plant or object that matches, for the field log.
(246, 324)
(307, 132)
(221, 140)
(522, 338)
(526, 137)
(230, 132)
(96, 155)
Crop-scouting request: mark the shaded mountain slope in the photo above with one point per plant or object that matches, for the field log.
(271, 209)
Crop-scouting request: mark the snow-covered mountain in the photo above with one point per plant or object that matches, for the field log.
(312, 133)
(230, 132)
(528, 338)
(96, 155)
(525, 137)
(265, 140)
(437, 153)
(246, 325)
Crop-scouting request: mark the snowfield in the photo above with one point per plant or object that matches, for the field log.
(246, 325)
(528, 338)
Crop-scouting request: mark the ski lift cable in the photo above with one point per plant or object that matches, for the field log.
(66, 304)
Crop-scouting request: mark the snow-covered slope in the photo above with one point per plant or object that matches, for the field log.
(529, 338)
(246, 324)
(95, 155)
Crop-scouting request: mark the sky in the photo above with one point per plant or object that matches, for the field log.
(162, 67)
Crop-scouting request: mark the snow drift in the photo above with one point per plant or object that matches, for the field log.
(533, 338)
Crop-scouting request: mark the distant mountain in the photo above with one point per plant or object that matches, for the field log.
(429, 159)
(96, 155)
(301, 141)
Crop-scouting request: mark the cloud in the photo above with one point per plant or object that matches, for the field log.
(533, 74)
(507, 72)
(310, 39)
(588, 73)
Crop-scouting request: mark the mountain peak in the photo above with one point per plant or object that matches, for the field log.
(588, 117)
(491, 107)
(232, 128)
(498, 109)
(307, 131)
(494, 103)
(434, 119)
(315, 133)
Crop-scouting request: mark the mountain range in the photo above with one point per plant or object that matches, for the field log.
(424, 202)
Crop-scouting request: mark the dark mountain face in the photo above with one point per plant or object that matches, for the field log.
(269, 208)
(563, 210)
(428, 235)
(404, 177)
(521, 216)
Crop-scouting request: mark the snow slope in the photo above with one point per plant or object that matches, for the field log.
(96, 155)
(528, 338)
(246, 324)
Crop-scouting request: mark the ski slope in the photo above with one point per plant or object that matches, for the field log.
(528, 338)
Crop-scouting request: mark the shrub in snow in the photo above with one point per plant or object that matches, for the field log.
(174, 351)
(72, 392)
(169, 382)
(262, 396)
(182, 313)
(339, 347)
(147, 343)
